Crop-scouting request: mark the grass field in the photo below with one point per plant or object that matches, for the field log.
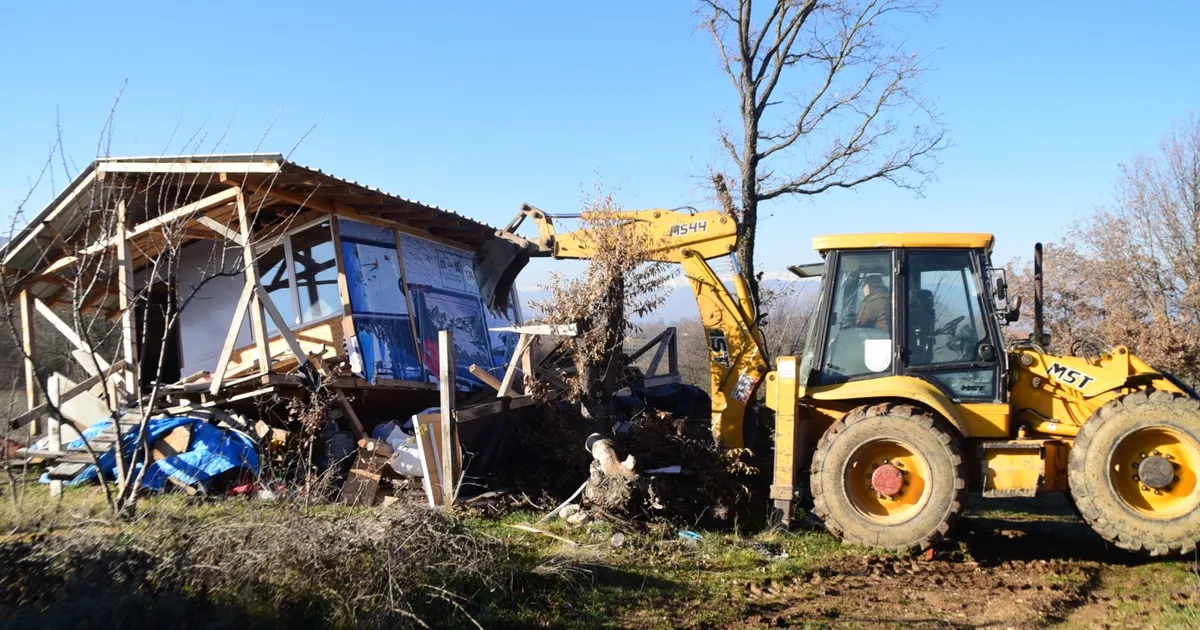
(1011, 564)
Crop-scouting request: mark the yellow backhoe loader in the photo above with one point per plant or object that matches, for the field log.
(906, 396)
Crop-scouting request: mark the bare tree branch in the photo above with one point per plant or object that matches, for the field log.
(826, 102)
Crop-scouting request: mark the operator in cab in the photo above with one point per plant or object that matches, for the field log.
(875, 309)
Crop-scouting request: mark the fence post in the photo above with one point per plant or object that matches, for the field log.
(446, 386)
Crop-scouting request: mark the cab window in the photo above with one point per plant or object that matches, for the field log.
(945, 322)
(858, 341)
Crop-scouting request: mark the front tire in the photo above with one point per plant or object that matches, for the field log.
(1133, 472)
(889, 476)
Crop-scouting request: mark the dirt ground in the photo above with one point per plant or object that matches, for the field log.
(1014, 564)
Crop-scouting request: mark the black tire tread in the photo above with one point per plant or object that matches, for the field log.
(1115, 530)
(912, 416)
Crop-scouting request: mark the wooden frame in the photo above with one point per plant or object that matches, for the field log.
(223, 202)
(28, 348)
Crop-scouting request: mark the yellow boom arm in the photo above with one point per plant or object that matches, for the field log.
(737, 360)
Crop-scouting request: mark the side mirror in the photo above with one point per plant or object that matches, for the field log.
(1001, 288)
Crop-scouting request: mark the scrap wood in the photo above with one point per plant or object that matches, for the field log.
(534, 530)
(173, 443)
(428, 430)
(356, 425)
(485, 376)
(361, 487)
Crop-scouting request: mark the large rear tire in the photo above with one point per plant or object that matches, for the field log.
(1133, 472)
(889, 476)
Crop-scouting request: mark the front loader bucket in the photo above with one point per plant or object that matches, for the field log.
(497, 264)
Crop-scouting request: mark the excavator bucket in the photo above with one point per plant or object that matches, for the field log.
(497, 264)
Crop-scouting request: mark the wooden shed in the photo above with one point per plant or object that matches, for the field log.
(220, 276)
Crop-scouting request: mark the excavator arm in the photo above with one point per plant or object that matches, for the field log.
(737, 361)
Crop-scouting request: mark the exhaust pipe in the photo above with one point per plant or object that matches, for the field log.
(1038, 335)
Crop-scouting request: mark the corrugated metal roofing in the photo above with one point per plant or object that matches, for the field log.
(384, 192)
(70, 195)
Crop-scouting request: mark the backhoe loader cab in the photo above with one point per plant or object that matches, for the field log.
(906, 398)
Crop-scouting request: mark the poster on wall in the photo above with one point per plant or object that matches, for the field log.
(445, 296)
(382, 324)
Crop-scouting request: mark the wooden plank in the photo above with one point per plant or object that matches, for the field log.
(257, 325)
(407, 229)
(85, 385)
(527, 361)
(427, 428)
(343, 284)
(485, 376)
(447, 389)
(213, 403)
(220, 228)
(239, 315)
(356, 426)
(67, 470)
(556, 330)
(265, 166)
(360, 487)
(69, 334)
(484, 410)
(323, 337)
(125, 299)
(408, 301)
(185, 211)
(83, 185)
(511, 372)
(269, 305)
(27, 348)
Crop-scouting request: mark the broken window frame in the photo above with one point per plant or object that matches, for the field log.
(284, 240)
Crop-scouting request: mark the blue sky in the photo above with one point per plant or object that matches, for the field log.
(482, 106)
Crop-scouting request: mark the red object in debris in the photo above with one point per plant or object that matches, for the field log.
(238, 491)
(887, 480)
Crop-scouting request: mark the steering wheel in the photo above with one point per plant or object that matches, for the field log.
(950, 326)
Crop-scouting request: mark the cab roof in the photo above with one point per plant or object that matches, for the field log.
(889, 240)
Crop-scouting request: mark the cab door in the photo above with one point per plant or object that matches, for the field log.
(948, 337)
(856, 340)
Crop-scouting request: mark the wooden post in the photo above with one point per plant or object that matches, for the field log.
(257, 324)
(446, 384)
(511, 372)
(27, 342)
(54, 429)
(239, 315)
(125, 302)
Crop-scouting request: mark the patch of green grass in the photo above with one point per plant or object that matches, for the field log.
(653, 577)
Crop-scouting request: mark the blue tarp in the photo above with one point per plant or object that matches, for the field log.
(211, 452)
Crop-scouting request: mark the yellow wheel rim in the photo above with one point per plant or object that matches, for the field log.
(1147, 452)
(910, 495)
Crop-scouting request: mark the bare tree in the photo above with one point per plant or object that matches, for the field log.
(826, 101)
